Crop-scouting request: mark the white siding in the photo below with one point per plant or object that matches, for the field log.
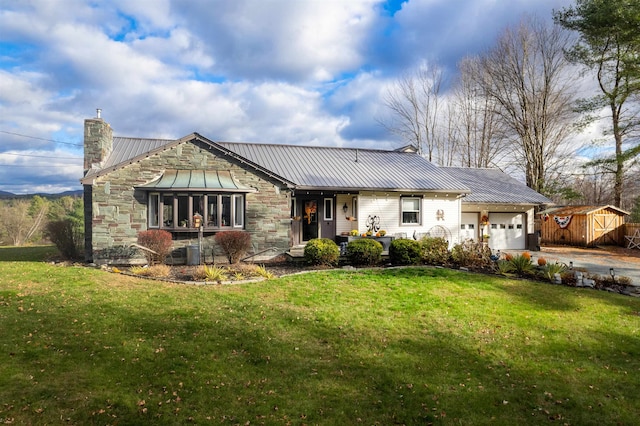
(387, 208)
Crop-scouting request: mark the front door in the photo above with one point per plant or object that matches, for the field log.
(309, 219)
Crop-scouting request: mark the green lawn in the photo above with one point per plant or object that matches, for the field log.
(394, 346)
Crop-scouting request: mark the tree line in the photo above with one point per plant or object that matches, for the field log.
(26, 220)
(526, 104)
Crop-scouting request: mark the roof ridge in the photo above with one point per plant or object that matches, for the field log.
(313, 146)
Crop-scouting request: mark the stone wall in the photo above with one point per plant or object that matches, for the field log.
(119, 211)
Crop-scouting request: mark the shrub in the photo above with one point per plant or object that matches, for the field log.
(472, 254)
(504, 267)
(214, 273)
(234, 244)
(68, 237)
(550, 269)
(435, 251)
(365, 251)
(405, 252)
(322, 251)
(522, 265)
(156, 271)
(157, 240)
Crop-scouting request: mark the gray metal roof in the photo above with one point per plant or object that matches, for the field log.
(495, 187)
(310, 167)
(348, 168)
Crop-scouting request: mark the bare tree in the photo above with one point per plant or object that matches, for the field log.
(477, 138)
(414, 101)
(527, 76)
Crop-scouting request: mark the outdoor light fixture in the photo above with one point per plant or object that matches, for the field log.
(345, 208)
(571, 265)
(612, 272)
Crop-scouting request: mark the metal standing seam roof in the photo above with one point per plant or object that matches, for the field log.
(313, 167)
(197, 180)
(493, 186)
(348, 168)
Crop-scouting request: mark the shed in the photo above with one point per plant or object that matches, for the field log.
(586, 226)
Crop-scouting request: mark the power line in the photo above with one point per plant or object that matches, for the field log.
(41, 139)
(40, 156)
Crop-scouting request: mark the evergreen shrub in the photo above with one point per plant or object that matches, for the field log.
(322, 251)
(405, 252)
(365, 251)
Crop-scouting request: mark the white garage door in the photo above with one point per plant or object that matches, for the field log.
(469, 227)
(507, 231)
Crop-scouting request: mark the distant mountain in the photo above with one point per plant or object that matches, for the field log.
(7, 195)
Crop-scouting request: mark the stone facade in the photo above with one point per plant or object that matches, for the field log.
(98, 142)
(119, 210)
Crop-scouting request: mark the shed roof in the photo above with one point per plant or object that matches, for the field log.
(583, 209)
(493, 186)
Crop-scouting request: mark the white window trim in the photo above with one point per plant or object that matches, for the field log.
(328, 213)
(420, 209)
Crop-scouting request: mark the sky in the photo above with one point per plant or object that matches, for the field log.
(305, 72)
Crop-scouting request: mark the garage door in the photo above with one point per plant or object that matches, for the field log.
(507, 231)
(469, 227)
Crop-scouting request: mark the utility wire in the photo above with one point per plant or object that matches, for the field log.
(41, 156)
(41, 139)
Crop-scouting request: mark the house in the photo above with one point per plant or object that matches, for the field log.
(282, 195)
(498, 206)
(584, 225)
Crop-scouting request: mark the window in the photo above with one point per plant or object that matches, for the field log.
(410, 208)
(186, 211)
(328, 209)
(238, 217)
(154, 204)
(354, 207)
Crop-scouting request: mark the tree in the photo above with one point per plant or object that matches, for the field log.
(414, 100)
(478, 130)
(609, 44)
(21, 219)
(527, 76)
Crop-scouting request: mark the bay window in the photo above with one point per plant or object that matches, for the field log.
(187, 211)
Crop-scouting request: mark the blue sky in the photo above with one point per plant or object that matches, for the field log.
(310, 72)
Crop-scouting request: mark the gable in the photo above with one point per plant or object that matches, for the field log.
(302, 167)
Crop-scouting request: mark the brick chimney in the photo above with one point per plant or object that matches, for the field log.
(98, 141)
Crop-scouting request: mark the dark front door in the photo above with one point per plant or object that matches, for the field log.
(309, 219)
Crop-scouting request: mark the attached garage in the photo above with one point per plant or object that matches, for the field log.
(507, 231)
(586, 226)
(469, 226)
(498, 206)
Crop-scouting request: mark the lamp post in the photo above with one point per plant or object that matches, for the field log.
(612, 273)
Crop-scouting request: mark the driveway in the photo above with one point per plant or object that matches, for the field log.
(625, 262)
